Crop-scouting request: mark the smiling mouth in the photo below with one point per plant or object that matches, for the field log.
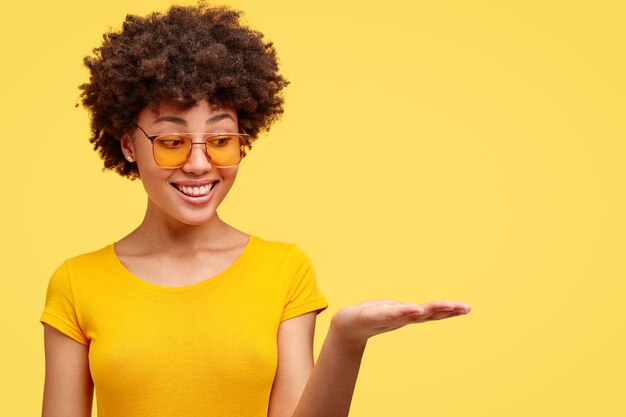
(196, 191)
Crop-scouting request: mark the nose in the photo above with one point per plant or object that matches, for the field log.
(198, 161)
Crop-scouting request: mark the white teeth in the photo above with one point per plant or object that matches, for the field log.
(202, 190)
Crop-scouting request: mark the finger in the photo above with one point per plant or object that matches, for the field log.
(425, 316)
(413, 307)
(442, 315)
(413, 313)
(439, 306)
(435, 306)
(445, 315)
(438, 314)
(394, 313)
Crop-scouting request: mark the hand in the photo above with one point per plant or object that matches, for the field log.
(355, 324)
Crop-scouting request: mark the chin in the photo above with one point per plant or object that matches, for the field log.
(184, 215)
(197, 220)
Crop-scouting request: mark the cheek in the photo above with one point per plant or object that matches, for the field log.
(153, 177)
(229, 174)
(143, 154)
(228, 179)
(148, 169)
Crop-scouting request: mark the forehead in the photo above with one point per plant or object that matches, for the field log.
(167, 111)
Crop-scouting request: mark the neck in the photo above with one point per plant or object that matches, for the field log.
(159, 232)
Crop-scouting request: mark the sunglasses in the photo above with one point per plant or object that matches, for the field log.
(224, 150)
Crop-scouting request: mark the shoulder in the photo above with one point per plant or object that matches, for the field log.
(91, 259)
(278, 249)
(85, 264)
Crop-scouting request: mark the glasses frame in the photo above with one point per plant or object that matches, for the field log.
(243, 141)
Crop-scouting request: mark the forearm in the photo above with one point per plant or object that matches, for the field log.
(329, 390)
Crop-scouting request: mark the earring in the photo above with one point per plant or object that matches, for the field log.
(130, 158)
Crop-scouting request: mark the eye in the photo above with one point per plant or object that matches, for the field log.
(171, 142)
(220, 141)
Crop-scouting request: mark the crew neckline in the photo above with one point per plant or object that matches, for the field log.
(208, 282)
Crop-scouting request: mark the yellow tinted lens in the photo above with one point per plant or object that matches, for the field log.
(224, 150)
(171, 151)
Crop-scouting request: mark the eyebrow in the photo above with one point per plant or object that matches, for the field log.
(180, 121)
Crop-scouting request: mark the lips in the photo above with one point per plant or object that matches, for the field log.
(199, 190)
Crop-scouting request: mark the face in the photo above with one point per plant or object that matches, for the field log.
(192, 193)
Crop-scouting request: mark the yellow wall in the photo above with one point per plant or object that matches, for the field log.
(466, 150)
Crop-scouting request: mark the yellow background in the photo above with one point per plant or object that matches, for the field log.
(465, 150)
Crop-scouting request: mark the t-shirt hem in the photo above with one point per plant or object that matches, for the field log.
(318, 306)
(63, 327)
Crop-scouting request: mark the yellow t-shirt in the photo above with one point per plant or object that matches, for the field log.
(206, 349)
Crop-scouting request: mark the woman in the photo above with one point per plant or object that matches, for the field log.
(186, 315)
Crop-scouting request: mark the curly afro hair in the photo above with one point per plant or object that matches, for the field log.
(188, 54)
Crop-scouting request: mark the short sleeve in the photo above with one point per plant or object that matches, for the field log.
(59, 311)
(303, 294)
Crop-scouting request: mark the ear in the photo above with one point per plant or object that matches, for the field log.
(128, 147)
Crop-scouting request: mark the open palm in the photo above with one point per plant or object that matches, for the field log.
(361, 321)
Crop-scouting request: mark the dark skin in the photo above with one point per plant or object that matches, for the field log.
(182, 241)
(188, 239)
(179, 241)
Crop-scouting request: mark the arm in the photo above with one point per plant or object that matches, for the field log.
(328, 391)
(68, 389)
(295, 363)
(331, 384)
